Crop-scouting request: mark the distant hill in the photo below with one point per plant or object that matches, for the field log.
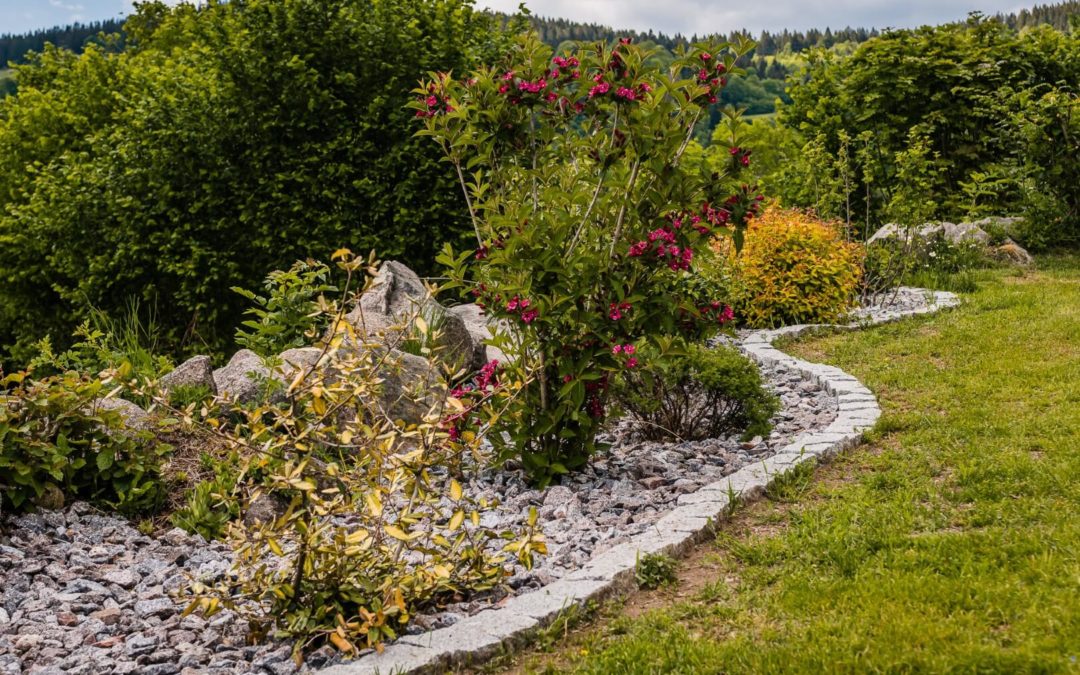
(556, 31)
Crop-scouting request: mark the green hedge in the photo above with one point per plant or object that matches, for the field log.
(223, 142)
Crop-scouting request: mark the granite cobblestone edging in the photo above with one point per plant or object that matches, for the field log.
(490, 631)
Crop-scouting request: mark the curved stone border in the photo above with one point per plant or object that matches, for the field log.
(484, 634)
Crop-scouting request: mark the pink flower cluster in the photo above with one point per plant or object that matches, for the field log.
(434, 104)
(521, 305)
(662, 242)
(717, 312)
(629, 350)
(741, 155)
(714, 78)
(486, 382)
(616, 309)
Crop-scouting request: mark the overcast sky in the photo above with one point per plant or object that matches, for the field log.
(670, 16)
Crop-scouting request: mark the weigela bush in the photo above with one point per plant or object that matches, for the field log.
(794, 268)
(588, 221)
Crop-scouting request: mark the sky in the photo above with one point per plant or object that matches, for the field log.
(669, 16)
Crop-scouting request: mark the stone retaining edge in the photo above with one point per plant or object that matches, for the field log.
(491, 631)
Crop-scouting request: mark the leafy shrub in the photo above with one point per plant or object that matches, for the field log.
(705, 393)
(374, 528)
(587, 220)
(225, 140)
(794, 268)
(57, 435)
(1049, 128)
(654, 570)
(289, 314)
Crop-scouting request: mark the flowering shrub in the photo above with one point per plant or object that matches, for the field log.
(794, 268)
(373, 527)
(588, 222)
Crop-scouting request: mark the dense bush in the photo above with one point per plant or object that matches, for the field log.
(705, 393)
(794, 268)
(587, 222)
(373, 528)
(969, 97)
(224, 141)
(59, 438)
(1048, 126)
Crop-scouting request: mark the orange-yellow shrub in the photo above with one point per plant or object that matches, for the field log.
(793, 268)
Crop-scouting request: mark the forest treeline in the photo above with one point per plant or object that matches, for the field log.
(14, 48)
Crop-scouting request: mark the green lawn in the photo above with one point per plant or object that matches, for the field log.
(950, 543)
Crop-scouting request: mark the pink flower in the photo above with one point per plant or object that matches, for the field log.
(613, 313)
(599, 89)
(567, 378)
(631, 362)
(529, 316)
(706, 56)
(626, 93)
(513, 304)
(629, 349)
(616, 349)
(638, 249)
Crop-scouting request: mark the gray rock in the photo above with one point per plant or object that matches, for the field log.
(195, 372)
(411, 387)
(133, 416)
(955, 233)
(389, 308)
(124, 578)
(159, 607)
(241, 377)
(1011, 252)
(481, 328)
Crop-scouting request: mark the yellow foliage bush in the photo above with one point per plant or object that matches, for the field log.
(793, 268)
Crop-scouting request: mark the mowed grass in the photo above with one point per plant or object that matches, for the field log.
(949, 543)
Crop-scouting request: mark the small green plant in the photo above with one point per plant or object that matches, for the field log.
(182, 396)
(289, 314)
(791, 484)
(103, 343)
(702, 393)
(212, 504)
(58, 435)
(654, 570)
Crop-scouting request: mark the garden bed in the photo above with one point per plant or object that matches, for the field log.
(86, 592)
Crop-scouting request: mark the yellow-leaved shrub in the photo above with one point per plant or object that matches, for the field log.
(793, 268)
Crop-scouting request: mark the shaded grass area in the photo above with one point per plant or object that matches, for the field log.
(950, 543)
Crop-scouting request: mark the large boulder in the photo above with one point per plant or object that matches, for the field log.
(389, 308)
(955, 233)
(132, 415)
(411, 387)
(242, 377)
(195, 372)
(1011, 252)
(479, 325)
